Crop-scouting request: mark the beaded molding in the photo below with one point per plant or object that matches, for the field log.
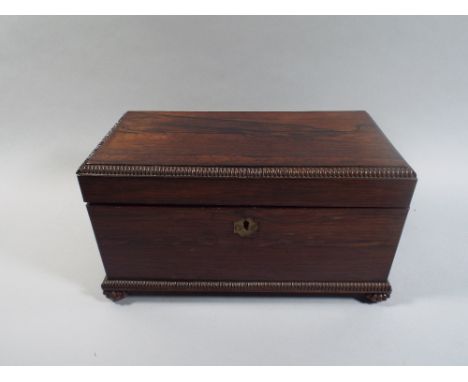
(369, 292)
(312, 287)
(245, 172)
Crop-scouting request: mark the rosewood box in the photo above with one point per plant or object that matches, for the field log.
(305, 203)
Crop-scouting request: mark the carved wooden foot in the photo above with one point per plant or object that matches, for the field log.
(115, 295)
(373, 298)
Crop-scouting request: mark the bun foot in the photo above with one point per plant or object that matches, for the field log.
(115, 295)
(373, 298)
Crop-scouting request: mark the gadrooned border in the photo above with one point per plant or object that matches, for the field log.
(311, 287)
(245, 172)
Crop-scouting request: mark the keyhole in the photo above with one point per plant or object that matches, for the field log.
(245, 227)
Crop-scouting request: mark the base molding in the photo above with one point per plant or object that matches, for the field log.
(367, 291)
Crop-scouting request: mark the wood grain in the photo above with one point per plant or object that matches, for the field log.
(248, 139)
(326, 192)
(183, 243)
(249, 192)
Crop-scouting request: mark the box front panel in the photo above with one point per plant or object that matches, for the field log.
(249, 244)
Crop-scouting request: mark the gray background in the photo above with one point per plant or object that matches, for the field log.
(65, 81)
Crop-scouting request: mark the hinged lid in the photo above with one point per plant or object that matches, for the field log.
(327, 159)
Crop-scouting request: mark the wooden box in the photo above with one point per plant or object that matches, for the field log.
(247, 202)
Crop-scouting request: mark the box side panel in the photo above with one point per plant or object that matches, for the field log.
(287, 244)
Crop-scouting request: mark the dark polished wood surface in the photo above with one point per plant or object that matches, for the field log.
(325, 194)
(303, 244)
(248, 139)
(253, 192)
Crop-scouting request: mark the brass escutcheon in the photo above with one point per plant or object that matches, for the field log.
(245, 227)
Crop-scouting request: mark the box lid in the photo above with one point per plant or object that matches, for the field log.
(247, 158)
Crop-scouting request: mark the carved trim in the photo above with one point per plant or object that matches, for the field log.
(245, 172)
(122, 287)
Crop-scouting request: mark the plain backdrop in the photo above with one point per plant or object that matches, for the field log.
(64, 81)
